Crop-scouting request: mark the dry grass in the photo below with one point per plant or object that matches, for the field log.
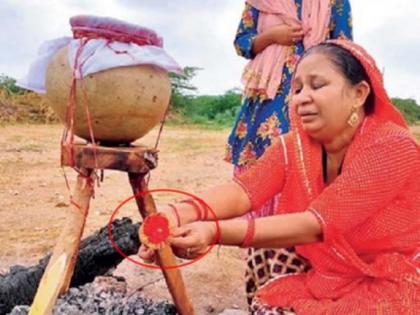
(25, 108)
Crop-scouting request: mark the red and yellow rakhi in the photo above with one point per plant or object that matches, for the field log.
(155, 231)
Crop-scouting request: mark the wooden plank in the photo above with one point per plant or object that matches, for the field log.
(173, 277)
(136, 159)
(57, 276)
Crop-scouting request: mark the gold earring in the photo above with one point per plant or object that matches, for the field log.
(354, 117)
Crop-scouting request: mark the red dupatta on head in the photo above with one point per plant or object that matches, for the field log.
(384, 109)
(309, 151)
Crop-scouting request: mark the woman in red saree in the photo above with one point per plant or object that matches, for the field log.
(349, 175)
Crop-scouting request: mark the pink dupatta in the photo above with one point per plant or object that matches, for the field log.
(263, 74)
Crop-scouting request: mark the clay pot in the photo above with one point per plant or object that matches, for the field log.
(124, 103)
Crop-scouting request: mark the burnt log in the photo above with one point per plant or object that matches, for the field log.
(96, 257)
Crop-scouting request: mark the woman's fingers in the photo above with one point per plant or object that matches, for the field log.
(296, 29)
(298, 34)
(188, 236)
(147, 254)
(185, 241)
(287, 35)
(181, 231)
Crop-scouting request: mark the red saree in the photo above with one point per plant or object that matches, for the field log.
(369, 259)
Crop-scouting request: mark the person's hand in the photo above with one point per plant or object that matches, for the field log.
(192, 240)
(189, 242)
(147, 254)
(286, 34)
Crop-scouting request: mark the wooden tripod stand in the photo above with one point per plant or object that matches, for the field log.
(137, 162)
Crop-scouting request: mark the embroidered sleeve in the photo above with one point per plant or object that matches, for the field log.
(341, 20)
(369, 182)
(247, 30)
(263, 180)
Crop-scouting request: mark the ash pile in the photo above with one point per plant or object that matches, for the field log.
(105, 295)
(97, 258)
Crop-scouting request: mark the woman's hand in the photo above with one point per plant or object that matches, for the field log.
(286, 34)
(147, 254)
(192, 240)
(188, 241)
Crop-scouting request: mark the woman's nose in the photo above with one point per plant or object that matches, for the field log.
(301, 98)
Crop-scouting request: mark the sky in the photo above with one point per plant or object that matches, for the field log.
(200, 33)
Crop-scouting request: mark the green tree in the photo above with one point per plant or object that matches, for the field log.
(213, 109)
(409, 108)
(202, 109)
(182, 87)
(9, 85)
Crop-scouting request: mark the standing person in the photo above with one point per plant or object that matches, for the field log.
(274, 34)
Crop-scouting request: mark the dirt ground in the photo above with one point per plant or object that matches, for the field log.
(34, 200)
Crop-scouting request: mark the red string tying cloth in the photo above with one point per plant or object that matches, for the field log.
(113, 29)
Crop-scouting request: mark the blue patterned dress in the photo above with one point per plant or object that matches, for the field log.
(259, 121)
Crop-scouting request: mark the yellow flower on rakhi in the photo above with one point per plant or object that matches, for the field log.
(247, 18)
(155, 231)
(269, 128)
(247, 155)
(241, 129)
